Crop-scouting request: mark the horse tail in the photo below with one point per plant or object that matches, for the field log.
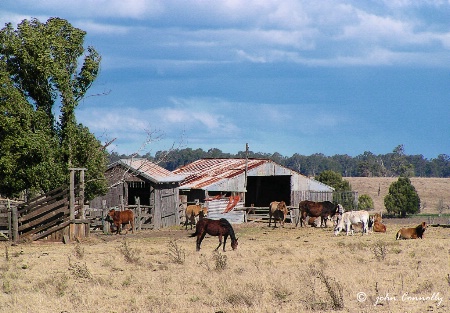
(397, 237)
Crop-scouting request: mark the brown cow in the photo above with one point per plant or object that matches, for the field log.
(376, 219)
(192, 211)
(412, 233)
(323, 209)
(120, 218)
(379, 227)
(277, 211)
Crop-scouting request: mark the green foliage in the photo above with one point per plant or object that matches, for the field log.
(342, 187)
(334, 180)
(402, 198)
(399, 163)
(369, 165)
(365, 165)
(39, 75)
(365, 202)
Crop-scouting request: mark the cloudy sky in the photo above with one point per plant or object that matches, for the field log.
(329, 76)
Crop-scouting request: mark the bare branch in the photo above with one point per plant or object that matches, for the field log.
(152, 136)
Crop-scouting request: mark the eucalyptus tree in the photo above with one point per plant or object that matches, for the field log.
(42, 84)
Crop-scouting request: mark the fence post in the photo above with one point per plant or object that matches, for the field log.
(72, 194)
(105, 226)
(83, 214)
(14, 223)
(138, 212)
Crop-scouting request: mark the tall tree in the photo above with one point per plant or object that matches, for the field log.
(402, 198)
(42, 77)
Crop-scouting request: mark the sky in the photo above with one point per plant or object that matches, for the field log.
(306, 77)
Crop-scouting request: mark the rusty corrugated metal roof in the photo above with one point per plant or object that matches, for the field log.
(149, 170)
(204, 172)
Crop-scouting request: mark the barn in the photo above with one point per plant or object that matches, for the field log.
(227, 183)
(145, 186)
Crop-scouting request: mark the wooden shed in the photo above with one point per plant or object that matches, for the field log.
(247, 182)
(139, 183)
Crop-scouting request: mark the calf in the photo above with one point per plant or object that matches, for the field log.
(277, 211)
(378, 227)
(412, 233)
(314, 221)
(194, 211)
(120, 218)
(352, 217)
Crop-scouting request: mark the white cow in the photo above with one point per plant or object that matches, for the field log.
(352, 217)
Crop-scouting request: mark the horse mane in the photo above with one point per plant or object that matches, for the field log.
(225, 223)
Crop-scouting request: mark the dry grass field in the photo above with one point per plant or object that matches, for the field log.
(273, 270)
(430, 190)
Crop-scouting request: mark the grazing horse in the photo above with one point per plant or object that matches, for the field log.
(192, 211)
(412, 233)
(352, 217)
(277, 211)
(221, 228)
(120, 218)
(323, 210)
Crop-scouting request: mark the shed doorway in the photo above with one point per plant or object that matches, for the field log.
(262, 190)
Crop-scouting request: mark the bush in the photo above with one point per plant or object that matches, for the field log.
(365, 202)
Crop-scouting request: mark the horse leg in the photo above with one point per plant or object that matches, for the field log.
(220, 243)
(192, 219)
(270, 218)
(200, 237)
(224, 241)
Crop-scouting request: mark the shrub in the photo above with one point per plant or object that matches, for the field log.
(365, 202)
(176, 253)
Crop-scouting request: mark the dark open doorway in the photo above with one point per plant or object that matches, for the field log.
(261, 190)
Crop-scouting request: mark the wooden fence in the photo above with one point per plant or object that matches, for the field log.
(143, 215)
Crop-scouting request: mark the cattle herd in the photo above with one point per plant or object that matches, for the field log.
(315, 214)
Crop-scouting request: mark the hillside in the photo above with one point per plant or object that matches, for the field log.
(430, 190)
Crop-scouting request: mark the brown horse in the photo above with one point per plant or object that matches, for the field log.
(192, 211)
(120, 218)
(323, 209)
(221, 228)
(277, 211)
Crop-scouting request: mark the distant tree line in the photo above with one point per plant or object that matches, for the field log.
(393, 164)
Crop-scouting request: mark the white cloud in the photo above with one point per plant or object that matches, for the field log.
(98, 8)
(94, 28)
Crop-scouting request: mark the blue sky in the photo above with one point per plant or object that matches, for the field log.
(331, 77)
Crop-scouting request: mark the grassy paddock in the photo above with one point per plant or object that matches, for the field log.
(273, 270)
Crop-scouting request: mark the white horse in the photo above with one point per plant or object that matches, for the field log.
(352, 217)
